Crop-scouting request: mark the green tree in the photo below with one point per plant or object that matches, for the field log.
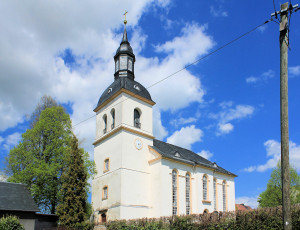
(272, 196)
(39, 159)
(72, 208)
(44, 103)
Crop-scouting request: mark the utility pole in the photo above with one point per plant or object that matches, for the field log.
(285, 10)
(284, 120)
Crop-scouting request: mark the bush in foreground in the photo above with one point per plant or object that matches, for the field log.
(10, 223)
(263, 219)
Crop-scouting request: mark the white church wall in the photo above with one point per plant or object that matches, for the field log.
(135, 194)
(129, 104)
(198, 205)
(230, 190)
(109, 148)
(114, 104)
(156, 189)
(167, 167)
(128, 177)
(113, 183)
(132, 157)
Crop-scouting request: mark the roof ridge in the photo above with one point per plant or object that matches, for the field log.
(184, 149)
(188, 155)
(12, 183)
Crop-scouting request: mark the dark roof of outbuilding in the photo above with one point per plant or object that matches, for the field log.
(184, 155)
(124, 83)
(16, 197)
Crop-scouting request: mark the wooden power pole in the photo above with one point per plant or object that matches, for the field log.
(285, 11)
(284, 121)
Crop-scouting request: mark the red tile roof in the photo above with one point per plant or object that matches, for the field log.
(242, 207)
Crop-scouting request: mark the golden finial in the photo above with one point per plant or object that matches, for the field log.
(125, 21)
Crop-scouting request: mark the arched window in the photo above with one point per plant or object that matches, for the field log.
(205, 187)
(136, 120)
(112, 112)
(224, 196)
(105, 193)
(174, 192)
(105, 123)
(188, 193)
(215, 194)
(106, 165)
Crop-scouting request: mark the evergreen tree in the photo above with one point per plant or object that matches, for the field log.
(272, 196)
(71, 210)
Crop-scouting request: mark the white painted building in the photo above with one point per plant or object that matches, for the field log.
(139, 176)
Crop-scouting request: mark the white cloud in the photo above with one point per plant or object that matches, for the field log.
(265, 76)
(12, 140)
(273, 150)
(239, 112)
(183, 121)
(3, 177)
(218, 12)
(34, 34)
(1, 140)
(186, 136)
(294, 71)
(206, 154)
(159, 130)
(226, 104)
(252, 79)
(225, 128)
(229, 114)
(249, 201)
(262, 28)
(268, 74)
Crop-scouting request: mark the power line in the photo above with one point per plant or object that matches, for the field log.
(187, 66)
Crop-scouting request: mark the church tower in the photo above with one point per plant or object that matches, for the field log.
(121, 187)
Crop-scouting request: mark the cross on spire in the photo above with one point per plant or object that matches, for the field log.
(125, 21)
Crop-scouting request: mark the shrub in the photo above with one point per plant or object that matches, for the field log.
(10, 223)
(262, 219)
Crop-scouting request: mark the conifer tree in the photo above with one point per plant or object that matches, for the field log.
(71, 210)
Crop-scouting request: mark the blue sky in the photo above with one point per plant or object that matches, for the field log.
(226, 107)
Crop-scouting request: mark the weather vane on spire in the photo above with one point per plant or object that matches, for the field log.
(125, 21)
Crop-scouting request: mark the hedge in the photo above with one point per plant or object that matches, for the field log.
(264, 218)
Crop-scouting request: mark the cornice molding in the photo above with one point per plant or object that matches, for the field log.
(127, 92)
(120, 128)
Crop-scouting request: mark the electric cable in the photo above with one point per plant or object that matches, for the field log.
(187, 66)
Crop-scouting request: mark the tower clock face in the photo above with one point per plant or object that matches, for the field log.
(138, 144)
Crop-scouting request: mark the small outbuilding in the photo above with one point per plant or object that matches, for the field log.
(15, 199)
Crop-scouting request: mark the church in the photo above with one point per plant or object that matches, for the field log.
(139, 176)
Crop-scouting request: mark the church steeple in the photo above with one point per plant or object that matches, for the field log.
(124, 58)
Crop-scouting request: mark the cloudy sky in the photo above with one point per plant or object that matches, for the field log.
(226, 107)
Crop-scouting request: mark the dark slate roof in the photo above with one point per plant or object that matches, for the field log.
(125, 83)
(125, 45)
(184, 155)
(16, 197)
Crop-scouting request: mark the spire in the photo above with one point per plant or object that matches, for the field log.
(125, 39)
(124, 58)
